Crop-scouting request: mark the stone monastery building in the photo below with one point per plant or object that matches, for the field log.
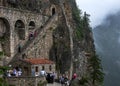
(24, 33)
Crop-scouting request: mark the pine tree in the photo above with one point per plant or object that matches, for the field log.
(97, 74)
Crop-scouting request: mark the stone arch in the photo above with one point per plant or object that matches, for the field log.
(31, 29)
(53, 9)
(5, 36)
(31, 25)
(20, 29)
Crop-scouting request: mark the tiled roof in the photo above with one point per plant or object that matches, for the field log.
(39, 61)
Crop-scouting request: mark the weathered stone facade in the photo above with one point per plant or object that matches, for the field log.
(12, 16)
(32, 67)
(25, 81)
(17, 26)
(47, 32)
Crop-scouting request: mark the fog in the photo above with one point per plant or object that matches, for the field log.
(98, 9)
(105, 19)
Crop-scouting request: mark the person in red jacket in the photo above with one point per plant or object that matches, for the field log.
(74, 76)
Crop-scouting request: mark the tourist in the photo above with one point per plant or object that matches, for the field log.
(74, 76)
(42, 73)
(31, 36)
(62, 79)
(19, 72)
(14, 72)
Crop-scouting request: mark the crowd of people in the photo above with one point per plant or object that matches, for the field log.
(50, 77)
(65, 81)
(14, 72)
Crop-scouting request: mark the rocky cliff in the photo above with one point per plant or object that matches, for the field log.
(73, 44)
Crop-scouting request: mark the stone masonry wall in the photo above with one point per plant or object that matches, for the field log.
(43, 42)
(25, 81)
(12, 15)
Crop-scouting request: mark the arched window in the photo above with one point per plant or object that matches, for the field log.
(20, 29)
(31, 25)
(53, 11)
(5, 36)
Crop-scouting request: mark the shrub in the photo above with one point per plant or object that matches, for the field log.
(42, 83)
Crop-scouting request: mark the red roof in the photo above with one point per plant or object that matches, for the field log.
(39, 61)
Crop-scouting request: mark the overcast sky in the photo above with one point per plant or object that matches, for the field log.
(98, 9)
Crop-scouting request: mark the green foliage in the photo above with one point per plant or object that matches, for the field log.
(76, 13)
(42, 83)
(2, 39)
(1, 53)
(3, 82)
(86, 20)
(97, 74)
(79, 33)
(44, 36)
(3, 69)
(83, 80)
(81, 22)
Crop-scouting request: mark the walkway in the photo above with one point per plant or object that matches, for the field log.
(54, 84)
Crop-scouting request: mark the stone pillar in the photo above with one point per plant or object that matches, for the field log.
(12, 41)
(48, 41)
(26, 31)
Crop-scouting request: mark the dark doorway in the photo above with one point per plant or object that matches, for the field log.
(20, 29)
(53, 11)
(31, 25)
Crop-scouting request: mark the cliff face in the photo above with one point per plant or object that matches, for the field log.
(69, 52)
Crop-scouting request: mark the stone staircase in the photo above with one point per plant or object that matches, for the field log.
(30, 43)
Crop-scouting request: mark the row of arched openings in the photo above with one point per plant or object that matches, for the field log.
(20, 28)
(5, 33)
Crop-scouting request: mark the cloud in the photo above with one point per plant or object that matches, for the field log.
(119, 39)
(98, 9)
(118, 63)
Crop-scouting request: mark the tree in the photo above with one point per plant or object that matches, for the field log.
(96, 70)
